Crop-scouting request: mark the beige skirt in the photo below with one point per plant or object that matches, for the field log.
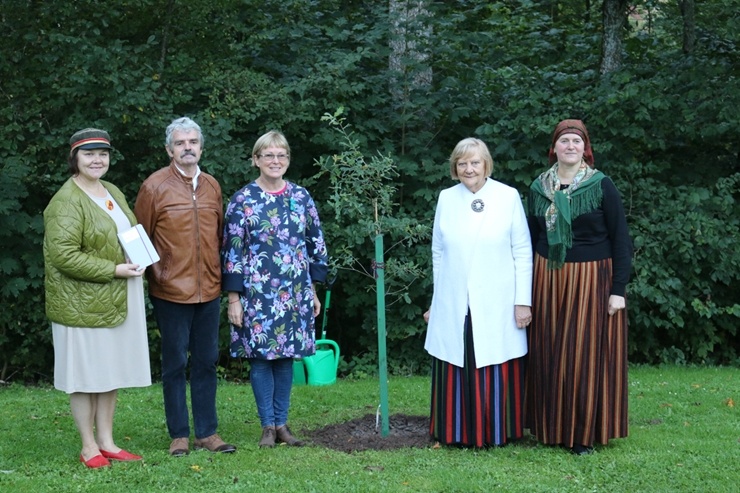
(104, 359)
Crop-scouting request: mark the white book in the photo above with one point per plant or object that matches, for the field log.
(138, 246)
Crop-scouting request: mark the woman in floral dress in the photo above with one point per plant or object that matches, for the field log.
(273, 253)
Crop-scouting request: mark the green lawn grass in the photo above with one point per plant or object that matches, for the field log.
(684, 437)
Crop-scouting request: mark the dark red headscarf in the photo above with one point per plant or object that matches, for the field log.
(572, 127)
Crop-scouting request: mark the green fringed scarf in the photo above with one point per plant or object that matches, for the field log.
(560, 207)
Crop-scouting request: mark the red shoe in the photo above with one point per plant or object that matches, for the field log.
(122, 456)
(95, 462)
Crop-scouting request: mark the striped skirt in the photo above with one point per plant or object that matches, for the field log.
(577, 366)
(476, 406)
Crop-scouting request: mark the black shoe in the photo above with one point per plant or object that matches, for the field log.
(581, 450)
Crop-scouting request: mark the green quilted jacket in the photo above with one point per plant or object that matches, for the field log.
(81, 251)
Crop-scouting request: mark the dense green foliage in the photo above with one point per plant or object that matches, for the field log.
(665, 127)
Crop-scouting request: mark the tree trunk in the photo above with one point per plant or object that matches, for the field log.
(689, 25)
(407, 30)
(169, 14)
(614, 18)
(406, 61)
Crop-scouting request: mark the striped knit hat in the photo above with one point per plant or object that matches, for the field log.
(89, 138)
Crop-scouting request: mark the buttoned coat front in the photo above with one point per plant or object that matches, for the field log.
(482, 262)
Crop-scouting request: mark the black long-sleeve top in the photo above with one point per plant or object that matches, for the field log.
(597, 235)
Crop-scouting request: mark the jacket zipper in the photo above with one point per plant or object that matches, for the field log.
(197, 248)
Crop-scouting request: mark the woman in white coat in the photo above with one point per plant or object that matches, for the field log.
(482, 259)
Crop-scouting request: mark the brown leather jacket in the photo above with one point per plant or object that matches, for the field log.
(185, 228)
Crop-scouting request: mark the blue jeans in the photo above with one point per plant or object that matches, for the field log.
(192, 328)
(271, 383)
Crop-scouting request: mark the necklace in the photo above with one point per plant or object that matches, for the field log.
(109, 204)
(95, 193)
(477, 205)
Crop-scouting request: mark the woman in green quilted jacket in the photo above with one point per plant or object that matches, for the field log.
(94, 298)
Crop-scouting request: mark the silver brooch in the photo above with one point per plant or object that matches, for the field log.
(477, 205)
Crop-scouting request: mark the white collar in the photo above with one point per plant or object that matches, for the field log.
(195, 176)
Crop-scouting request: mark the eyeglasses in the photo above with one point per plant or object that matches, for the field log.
(270, 157)
(473, 164)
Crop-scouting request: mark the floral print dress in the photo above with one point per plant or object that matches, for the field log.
(273, 250)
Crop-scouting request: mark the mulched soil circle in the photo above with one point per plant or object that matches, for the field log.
(361, 434)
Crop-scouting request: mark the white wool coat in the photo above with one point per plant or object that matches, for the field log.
(482, 261)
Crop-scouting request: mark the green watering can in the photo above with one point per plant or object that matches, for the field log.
(321, 368)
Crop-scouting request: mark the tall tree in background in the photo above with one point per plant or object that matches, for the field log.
(408, 61)
(614, 15)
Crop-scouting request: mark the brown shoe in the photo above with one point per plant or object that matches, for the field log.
(284, 435)
(214, 444)
(180, 447)
(268, 437)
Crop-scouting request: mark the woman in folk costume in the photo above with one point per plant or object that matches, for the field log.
(577, 372)
(482, 259)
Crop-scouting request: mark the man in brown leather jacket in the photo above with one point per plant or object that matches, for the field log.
(181, 209)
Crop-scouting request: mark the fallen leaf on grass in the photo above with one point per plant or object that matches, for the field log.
(436, 445)
(729, 402)
(695, 386)
(686, 423)
(374, 468)
(665, 404)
